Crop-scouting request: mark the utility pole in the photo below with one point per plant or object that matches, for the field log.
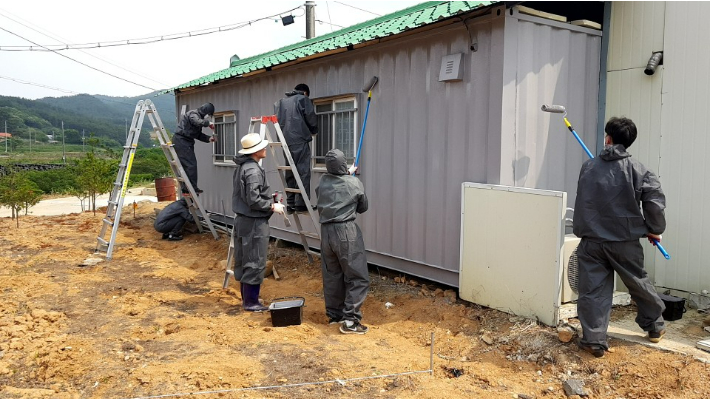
(64, 154)
(310, 19)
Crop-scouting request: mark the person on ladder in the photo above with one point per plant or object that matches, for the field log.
(171, 220)
(346, 281)
(189, 129)
(298, 121)
(252, 203)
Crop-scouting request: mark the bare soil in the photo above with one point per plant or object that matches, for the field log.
(155, 322)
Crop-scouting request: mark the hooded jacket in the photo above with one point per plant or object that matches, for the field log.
(250, 195)
(191, 124)
(176, 209)
(340, 195)
(297, 117)
(609, 191)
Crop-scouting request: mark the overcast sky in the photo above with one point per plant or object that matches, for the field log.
(147, 67)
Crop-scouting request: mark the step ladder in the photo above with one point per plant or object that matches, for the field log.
(264, 131)
(118, 193)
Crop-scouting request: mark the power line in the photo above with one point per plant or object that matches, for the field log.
(348, 5)
(57, 38)
(145, 40)
(325, 22)
(38, 85)
(79, 62)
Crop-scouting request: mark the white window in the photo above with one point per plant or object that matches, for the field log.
(225, 128)
(336, 128)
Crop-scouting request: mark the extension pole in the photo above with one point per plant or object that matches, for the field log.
(368, 89)
(559, 109)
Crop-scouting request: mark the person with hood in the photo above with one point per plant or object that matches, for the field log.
(190, 129)
(253, 206)
(171, 219)
(298, 121)
(345, 277)
(609, 221)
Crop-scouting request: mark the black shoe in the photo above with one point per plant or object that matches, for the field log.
(335, 320)
(595, 350)
(655, 336)
(290, 210)
(165, 236)
(199, 190)
(175, 237)
(352, 327)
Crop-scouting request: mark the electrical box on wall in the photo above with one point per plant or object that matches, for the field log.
(451, 68)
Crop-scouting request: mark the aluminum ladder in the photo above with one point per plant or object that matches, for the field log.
(263, 122)
(118, 193)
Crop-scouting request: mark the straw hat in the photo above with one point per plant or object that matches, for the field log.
(252, 143)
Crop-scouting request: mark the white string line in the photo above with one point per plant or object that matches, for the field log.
(339, 381)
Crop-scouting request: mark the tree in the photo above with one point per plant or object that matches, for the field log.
(95, 176)
(17, 191)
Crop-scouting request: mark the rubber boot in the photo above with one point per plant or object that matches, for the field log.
(251, 298)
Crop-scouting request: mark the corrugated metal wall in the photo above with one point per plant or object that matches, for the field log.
(424, 137)
(553, 65)
(668, 109)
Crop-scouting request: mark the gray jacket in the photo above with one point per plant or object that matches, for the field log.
(297, 117)
(190, 126)
(250, 195)
(340, 196)
(176, 209)
(609, 191)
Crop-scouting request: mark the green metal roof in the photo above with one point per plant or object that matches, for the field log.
(386, 25)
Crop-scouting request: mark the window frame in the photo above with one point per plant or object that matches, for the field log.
(225, 159)
(355, 98)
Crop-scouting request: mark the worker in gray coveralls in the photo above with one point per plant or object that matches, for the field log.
(298, 121)
(253, 206)
(190, 129)
(171, 219)
(609, 220)
(344, 266)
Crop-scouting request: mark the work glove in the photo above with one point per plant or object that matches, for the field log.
(352, 170)
(211, 125)
(278, 208)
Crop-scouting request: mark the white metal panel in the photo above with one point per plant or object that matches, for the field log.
(636, 32)
(684, 166)
(511, 249)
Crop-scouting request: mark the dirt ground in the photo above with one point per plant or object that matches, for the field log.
(155, 322)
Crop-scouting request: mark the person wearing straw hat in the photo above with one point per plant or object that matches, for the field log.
(253, 206)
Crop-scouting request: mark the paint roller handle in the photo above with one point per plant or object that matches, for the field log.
(656, 241)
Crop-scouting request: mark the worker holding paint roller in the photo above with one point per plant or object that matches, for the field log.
(253, 206)
(298, 121)
(345, 276)
(608, 219)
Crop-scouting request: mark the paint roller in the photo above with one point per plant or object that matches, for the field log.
(560, 109)
(368, 89)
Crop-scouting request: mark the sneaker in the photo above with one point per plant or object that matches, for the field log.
(655, 336)
(595, 350)
(175, 237)
(334, 320)
(352, 327)
(165, 236)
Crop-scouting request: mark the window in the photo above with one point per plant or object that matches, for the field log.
(336, 128)
(225, 128)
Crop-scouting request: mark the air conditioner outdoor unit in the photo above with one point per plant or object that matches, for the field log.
(569, 264)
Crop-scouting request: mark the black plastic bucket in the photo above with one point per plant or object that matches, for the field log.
(287, 311)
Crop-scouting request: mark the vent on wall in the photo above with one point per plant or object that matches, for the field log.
(451, 68)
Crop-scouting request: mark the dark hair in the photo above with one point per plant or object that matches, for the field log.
(621, 130)
(303, 87)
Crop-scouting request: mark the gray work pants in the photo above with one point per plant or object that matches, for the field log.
(251, 243)
(172, 225)
(345, 277)
(185, 151)
(597, 263)
(301, 154)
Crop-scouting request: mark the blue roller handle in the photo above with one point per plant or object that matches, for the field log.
(364, 124)
(579, 140)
